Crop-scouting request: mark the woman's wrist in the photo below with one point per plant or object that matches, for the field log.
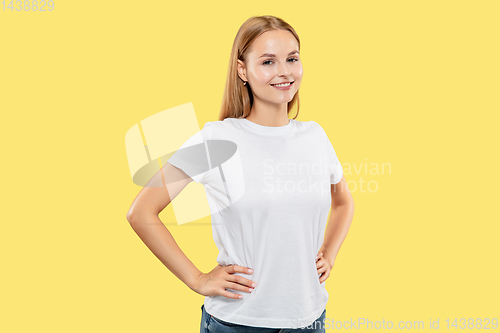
(193, 280)
(328, 255)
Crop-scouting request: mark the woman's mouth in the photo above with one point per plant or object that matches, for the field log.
(283, 86)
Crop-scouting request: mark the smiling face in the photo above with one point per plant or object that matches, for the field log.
(273, 58)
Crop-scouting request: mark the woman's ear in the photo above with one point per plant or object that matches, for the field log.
(242, 70)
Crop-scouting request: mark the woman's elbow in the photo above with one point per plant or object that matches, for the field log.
(130, 216)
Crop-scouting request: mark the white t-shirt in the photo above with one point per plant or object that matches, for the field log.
(268, 190)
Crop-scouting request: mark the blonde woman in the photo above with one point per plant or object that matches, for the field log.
(269, 210)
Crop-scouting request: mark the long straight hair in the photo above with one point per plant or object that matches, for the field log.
(238, 98)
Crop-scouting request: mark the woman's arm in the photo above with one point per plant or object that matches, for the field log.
(339, 222)
(143, 217)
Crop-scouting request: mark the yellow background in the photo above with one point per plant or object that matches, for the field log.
(411, 83)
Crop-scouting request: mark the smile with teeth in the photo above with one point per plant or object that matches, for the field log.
(282, 85)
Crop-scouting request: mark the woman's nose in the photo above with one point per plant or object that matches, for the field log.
(284, 70)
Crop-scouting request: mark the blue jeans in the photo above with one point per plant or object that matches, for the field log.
(211, 324)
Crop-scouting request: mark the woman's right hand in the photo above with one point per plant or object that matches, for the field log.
(221, 278)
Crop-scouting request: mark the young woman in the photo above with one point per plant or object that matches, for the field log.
(270, 191)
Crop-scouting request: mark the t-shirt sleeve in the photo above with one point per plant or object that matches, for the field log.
(192, 157)
(336, 170)
(335, 167)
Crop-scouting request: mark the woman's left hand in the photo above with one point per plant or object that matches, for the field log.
(324, 267)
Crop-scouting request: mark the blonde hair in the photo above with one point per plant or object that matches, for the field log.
(238, 98)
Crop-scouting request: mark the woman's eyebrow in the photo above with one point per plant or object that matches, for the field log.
(270, 55)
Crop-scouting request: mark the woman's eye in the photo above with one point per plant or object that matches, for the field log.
(268, 61)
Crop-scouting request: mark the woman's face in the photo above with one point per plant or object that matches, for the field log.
(273, 58)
